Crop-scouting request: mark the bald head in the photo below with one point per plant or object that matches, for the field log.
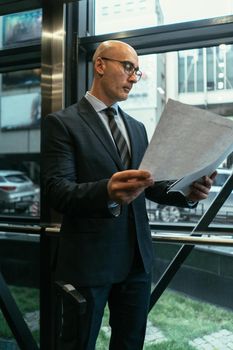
(112, 82)
(111, 48)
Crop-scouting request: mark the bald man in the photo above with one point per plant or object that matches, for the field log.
(90, 159)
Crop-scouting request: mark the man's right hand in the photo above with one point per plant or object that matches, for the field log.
(125, 186)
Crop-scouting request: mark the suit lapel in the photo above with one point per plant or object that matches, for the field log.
(91, 118)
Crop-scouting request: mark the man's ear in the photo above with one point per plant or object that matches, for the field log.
(99, 66)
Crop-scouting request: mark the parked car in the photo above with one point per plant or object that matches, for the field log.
(17, 191)
(167, 214)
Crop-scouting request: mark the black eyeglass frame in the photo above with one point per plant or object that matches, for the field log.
(130, 70)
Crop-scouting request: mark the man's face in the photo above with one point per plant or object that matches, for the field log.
(116, 83)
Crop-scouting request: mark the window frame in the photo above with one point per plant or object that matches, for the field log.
(25, 56)
(153, 40)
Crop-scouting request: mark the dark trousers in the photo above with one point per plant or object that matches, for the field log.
(128, 303)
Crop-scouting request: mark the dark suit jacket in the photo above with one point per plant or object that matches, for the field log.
(78, 158)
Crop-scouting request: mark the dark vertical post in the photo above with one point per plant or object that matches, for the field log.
(15, 319)
(52, 91)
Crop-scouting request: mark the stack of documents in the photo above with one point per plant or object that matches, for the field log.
(187, 144)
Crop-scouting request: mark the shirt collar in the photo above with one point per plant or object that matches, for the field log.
(97, 104)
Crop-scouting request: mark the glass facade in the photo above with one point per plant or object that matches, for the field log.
(182, 11)
(183, 76)
(195, 311)
(126, 15)
(206, 69)
(20, 99)
(202, 77)
(120, 15)
(19, 260)
(21, 28)
(20, 114)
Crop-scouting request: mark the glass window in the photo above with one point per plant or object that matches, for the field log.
(221, 178)
(147, 96)
(190, 73)
(199, 291)
(20, 114)
(182, 76)
(20, 100)
(220, 67)
(183, 10)
(18, 178)
(211, 76)
(229, 69)
(19, 259)
(181, 72)
(125, 15)
(19, 186)
(205, 69)
(20, 28)
(135, 14)
(200, 70)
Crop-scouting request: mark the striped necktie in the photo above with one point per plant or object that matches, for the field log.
(118, 138)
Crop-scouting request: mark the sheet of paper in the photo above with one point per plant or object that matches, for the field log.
(187, 144)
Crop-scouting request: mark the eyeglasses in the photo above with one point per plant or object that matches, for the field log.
(128, 67)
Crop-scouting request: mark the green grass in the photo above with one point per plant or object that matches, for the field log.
(181, 319)
(27, 300)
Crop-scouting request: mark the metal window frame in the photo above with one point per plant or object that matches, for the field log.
(181, 36)
(13, 6)
(160, 39)
(189, 35)
(26, 55)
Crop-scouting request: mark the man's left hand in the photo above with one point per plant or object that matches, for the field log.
(199, 190)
